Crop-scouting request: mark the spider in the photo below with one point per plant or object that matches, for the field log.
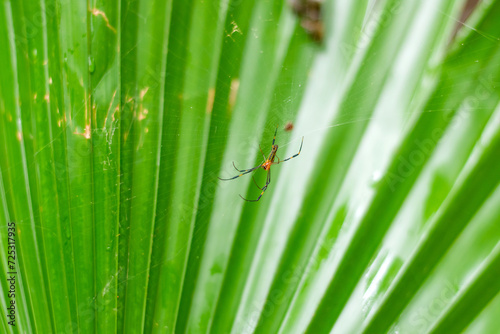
(266, 165)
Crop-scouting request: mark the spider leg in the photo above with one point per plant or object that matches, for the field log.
(240, 170)
(253, 178)
(243, 172)
(275, 133)
(260, 148)
(263, 189)
(293, 156)
(246, 170)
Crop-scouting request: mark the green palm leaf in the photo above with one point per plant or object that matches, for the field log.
(118, 117)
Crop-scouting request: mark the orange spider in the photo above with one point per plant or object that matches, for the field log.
(266, 165)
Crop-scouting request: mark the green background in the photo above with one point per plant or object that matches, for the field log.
(118, 117)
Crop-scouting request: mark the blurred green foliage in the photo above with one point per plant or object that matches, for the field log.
(118, 117)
